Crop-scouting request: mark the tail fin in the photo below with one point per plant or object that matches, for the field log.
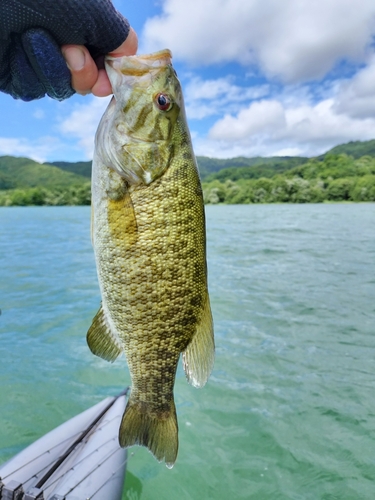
(143, 426)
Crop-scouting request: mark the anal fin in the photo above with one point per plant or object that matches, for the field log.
(100, 339)
(198, 359)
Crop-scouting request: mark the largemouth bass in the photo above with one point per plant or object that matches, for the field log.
(148, 232)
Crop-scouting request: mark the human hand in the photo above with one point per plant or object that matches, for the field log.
(32, 34)
(89, 76)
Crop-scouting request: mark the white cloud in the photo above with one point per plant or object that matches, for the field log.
(38, 150)
(263, 117)
(83, 122)
(205, 98)
(269, 128)
(199, 89)
(295, 40)
(356, 97)
(75, 132)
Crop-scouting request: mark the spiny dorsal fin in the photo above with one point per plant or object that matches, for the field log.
(145, 427)
(198, 359)
(101, 341)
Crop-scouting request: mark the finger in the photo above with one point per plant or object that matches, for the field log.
(85, 75)
(102, 86)
(82, 67)
(129, 47)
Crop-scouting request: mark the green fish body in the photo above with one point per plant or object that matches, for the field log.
(148, 232)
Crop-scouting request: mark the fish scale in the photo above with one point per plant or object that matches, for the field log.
(148, 231)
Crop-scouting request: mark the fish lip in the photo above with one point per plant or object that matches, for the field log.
(127, 71)
(138, 65)
(152, 59)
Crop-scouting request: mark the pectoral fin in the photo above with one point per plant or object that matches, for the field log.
(122, 220)
(101, 340)
(198, 359)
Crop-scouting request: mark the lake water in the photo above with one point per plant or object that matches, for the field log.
(289, 411)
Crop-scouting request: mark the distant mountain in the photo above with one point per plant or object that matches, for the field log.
(25, 173)
(79, 168)
(206, 164)
(275, 165)
(354, 148)
(209, 166)
(257, 167)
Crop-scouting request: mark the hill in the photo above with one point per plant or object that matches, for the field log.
(334, 178)
(239, 167)
(346, 172)
(25, 173)
(356, 149)
(258, 167)
(79, 168)
(275, 165)
(208, 166)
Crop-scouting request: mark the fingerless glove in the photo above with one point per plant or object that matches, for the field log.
(32, 32)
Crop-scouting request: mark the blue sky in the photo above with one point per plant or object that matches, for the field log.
(260, 77)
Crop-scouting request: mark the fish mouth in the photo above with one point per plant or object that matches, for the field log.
(139, 65)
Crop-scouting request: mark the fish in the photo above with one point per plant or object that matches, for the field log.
(149, 240)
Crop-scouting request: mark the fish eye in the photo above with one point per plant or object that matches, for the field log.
(163, 102)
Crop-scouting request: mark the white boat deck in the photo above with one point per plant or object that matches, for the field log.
(79, 460)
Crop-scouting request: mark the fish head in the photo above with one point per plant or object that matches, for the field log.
(137, 133)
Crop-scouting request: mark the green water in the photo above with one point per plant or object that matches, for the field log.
(289, 412)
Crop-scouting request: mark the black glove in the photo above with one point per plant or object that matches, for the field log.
(32, 31)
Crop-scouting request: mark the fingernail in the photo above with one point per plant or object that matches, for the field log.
(75, 58)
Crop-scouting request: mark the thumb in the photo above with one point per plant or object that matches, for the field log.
(128, 47)
(102, 86)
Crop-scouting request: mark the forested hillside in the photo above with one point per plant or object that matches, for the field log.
(346, 173)
(209, 167)
(356, 149)
(335, 178)
(27, 182)
(25, 173)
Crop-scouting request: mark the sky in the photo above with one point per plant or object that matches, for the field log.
(259, 77)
